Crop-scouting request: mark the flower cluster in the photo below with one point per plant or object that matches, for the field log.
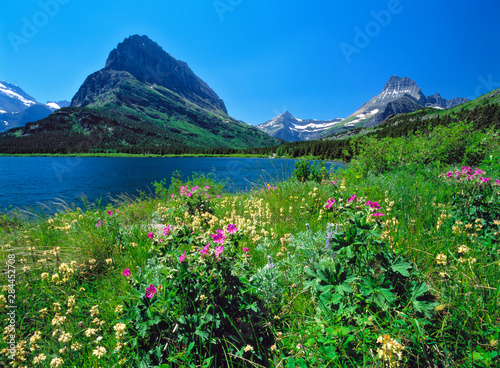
(391, 351)
(268, 187)
(470, 174)
(188, 192)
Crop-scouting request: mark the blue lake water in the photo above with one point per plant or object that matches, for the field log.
(28, 182)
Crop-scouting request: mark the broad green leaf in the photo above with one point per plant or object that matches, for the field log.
(402, 267)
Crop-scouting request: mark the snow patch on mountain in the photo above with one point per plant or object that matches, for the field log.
(13, 94)
(53, 105)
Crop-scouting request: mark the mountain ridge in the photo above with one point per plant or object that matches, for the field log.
(289, 128)
(18, 108)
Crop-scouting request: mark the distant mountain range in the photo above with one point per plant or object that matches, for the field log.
(399, 95)
(143, 100)
(18, 108)
(291, 129)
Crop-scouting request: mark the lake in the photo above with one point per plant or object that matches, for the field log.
(28, 182)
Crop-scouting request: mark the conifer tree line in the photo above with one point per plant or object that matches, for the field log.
(110, 137)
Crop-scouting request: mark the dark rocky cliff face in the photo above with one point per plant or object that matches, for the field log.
(149, 63)
(403, 104)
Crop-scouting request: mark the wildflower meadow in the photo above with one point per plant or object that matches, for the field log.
(398, 269)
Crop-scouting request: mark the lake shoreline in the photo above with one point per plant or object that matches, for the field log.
(128, 155)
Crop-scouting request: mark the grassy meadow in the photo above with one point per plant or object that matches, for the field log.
(359, 268)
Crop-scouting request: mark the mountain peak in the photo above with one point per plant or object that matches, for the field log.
(149, 63)
(397, 83)
(285, 115)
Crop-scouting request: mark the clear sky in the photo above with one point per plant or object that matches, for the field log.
(317, 59)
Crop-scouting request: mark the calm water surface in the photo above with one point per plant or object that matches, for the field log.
(27, 182)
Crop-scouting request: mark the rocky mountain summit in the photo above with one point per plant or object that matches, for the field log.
(399, 95)
(145, 60)
(289, 128)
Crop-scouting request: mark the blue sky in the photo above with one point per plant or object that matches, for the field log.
(318, 59)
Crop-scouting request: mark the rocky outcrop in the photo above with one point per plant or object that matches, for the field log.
(437, 101)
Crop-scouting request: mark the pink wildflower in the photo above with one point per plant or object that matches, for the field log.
(373, 205)
(245, 250)
(126, 272)
(150, 235)
(98, 223)
(378, 214)
(205, 249)
(150, 291)
(329, 203)
(166, 230)
(110, 212)
(484, 180)
(182, 257)
(172, 195)
(207, 187)
(449, 174)
(231, 228)
(353, 198)
(219, 250)
(218, 238)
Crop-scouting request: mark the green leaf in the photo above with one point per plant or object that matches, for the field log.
(419, 290)
(402, 267)
(383, 298)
